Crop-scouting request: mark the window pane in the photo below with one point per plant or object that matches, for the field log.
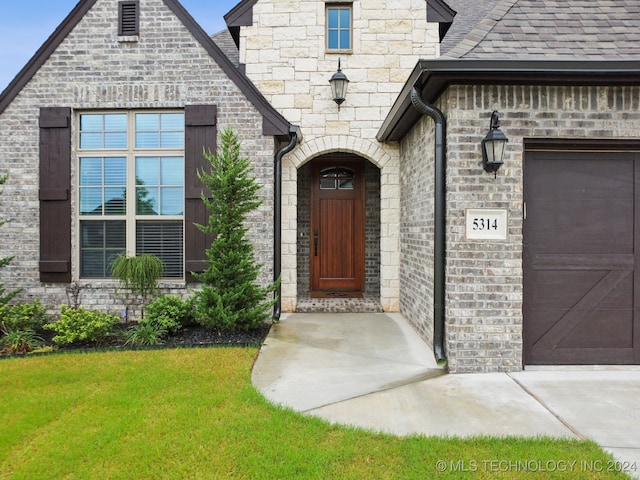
(115, 237)
(92, 264)
(172, 121)
(115, 171)
(165, 240)
(346, 184)
(147, 200)
(147, 121)
(345, 42)
(91, 123)
(115, 140)
(172, 171)
(171, 140)
(92, 234)
(147, 140)
(327, 184)
(91, 140)
(147, 171)
(333, 39)
(101, 242)
(91, 201)
(114, 203)
(115, 121)
(332, 18)
(172, 201)
(90, 171)
(345, 18)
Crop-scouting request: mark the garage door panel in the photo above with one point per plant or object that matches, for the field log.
(601, 329)
(581, 241)
(582, 356)
(589, 232)
(562, 290)
(581, 177)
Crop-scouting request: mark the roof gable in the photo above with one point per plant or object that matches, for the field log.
(273, 122)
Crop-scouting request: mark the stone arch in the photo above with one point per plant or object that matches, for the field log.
(339, 143)
(389, 212)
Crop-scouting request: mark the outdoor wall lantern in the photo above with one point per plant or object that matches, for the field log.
(493, 145)
(339, 83)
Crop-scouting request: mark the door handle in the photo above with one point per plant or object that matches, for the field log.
(315, 243)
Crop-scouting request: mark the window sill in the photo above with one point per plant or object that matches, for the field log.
(335, 51)
(128, 38)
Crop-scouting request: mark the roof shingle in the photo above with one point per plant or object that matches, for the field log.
(577, 29)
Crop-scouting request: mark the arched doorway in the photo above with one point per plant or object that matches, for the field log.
(338, 223)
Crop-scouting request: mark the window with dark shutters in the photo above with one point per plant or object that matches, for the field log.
(128, 18)
(200, 135)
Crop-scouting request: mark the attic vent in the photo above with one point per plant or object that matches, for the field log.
(128, 18)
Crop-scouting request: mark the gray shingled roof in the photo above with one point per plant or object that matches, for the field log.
(468, 14)
(224, 41)
(548, 29)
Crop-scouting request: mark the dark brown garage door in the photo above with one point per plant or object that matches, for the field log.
(582, 245)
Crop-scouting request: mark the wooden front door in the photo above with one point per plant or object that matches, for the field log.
(582, 240)
(337, 228)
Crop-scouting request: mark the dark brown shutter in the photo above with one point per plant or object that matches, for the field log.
(128, 18)
(55, 198)
(200, 134)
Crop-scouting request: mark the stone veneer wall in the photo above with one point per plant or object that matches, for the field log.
(484, 290)
(92, 70)
(285, 56)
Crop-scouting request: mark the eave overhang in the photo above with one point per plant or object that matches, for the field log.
(439, 12)
(433, 77)
(239, 16)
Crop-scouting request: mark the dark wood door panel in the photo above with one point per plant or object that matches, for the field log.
(336, 246)
(337, 227)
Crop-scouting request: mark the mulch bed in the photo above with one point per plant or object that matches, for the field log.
(195, 336)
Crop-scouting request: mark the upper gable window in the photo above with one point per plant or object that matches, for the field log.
(339, 26)
(128, 18)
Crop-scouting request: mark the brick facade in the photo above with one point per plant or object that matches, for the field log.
(93, 69)
(484, 292)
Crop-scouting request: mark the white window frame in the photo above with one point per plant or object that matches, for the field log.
(338, 5)
(130, 153)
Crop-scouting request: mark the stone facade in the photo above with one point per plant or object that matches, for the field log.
(484, 293)
(285, 56)
(93, 69)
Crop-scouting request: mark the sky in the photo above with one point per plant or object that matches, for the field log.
(26, 24)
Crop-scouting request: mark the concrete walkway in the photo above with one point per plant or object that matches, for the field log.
(374, 371)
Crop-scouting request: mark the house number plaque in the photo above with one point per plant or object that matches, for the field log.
(486, 224)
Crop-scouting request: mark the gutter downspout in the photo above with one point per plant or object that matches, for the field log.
(277, 219)
(439, 222)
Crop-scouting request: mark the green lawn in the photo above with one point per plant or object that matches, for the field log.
(192, 413)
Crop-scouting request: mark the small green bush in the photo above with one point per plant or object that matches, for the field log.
(82, 326)
(24, 316)
(145, 334)
(169, 312)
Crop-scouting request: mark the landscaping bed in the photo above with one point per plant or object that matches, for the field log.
(192, 336)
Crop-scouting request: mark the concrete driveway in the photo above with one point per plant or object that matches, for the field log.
(374, 371)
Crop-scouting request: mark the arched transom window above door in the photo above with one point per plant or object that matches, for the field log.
(337, 178)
